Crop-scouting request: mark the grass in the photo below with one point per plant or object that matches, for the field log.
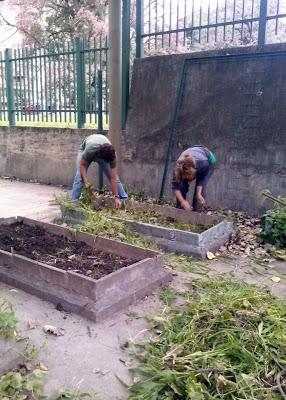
(49, 123)
(228, 342)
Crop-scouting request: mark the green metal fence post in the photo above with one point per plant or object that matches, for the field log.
(125, 61)
(139, 27)
(100, 122)
(262, 22)
(10, 87)
(80, 82)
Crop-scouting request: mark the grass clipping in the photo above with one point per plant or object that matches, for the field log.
(229, 342)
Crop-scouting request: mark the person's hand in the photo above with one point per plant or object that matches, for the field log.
(87, 185)
(201, 200)
(186, 205)
(117, 203)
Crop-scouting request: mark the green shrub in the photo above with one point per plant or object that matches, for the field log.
(273, 224)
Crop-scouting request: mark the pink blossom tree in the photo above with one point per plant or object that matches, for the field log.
(42, 21)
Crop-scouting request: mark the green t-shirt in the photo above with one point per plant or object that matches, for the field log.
(91, 145)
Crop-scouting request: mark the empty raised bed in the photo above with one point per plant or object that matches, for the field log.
(79, 272)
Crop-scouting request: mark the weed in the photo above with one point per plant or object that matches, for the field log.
(273, 224)
(228, 341)
(8, 319)
(168, 295)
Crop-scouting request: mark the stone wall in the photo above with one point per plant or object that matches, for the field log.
(236, 108)
(47, 155)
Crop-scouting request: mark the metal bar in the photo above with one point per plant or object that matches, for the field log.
(170, 23)
(208, 29)
(65, 84)
(125, 61)
(69, 82)
(79, 82)
(156, 22)
(242, 17)
(1, 88)
(225, 11)
(50, 87)
(177, 25)
(9, 87)
(173, 128)
(89, 83)
(55, 100)
(37, 86)
(95, 77)
(200, 24)
(60, 86)
(46, 87)
(185, 21)
(41, 85)
(139, 26)
(149, 23)
(233, 18)
(106, 85)
(100, 123)
(28, 84)
(216, 20)
(277, 12)
(163, 22)
(262, 22)
(16, 84)
(32, 86)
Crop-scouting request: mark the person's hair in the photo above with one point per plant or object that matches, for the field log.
(185, 169)
(106, 152)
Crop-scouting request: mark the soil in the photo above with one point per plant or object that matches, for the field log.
(36, 243)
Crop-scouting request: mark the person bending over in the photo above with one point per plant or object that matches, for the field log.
(195, 163)
(97, 148)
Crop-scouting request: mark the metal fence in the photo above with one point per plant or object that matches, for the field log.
(62, 84)
(183, 25)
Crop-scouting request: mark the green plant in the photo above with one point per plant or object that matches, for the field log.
(227, 342)
(273, 224)
(168, 295)
(14, 386)
(72, 395)
(8, 319)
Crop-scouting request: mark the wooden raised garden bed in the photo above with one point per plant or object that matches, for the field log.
(174, 230)
(78, 272)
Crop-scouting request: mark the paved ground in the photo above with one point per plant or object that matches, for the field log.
(28, 200)
(89, 355)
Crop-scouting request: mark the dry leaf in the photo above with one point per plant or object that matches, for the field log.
(53, 330)
(276, 279)
(102, 372)
(32, 324)
(42, 367)
(210, 255)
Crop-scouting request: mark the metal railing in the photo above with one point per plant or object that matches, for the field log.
(184, 25)
(56, 85)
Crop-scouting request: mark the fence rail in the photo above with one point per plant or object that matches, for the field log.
(55, 84)
(182, 25)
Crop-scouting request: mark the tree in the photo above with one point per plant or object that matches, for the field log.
(42, 21)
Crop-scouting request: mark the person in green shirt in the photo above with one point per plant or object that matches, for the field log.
(97, 148)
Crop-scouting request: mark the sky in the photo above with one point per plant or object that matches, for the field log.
(8, 35)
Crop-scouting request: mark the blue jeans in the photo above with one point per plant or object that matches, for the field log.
(78, 181)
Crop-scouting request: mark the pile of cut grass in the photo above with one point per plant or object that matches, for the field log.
(229, 342)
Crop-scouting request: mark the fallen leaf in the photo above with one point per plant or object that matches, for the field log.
(53, 330)
(210, 255)
(102, 372)
(32, 324)
(276, 279)
(42, 367)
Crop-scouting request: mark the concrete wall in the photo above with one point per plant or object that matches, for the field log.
(47, 155)
(237, 109)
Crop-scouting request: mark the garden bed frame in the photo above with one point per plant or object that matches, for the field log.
(218, 230)
(73, 292)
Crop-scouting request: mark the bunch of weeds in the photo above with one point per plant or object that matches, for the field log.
(228, 342)
(8, 319)
(100, 223)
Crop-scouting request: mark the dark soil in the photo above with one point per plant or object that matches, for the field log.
(36, 243)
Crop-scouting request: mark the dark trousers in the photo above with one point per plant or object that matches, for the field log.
(184, 188)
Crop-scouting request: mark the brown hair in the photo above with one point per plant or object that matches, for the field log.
(106, 152)
(185, 169)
